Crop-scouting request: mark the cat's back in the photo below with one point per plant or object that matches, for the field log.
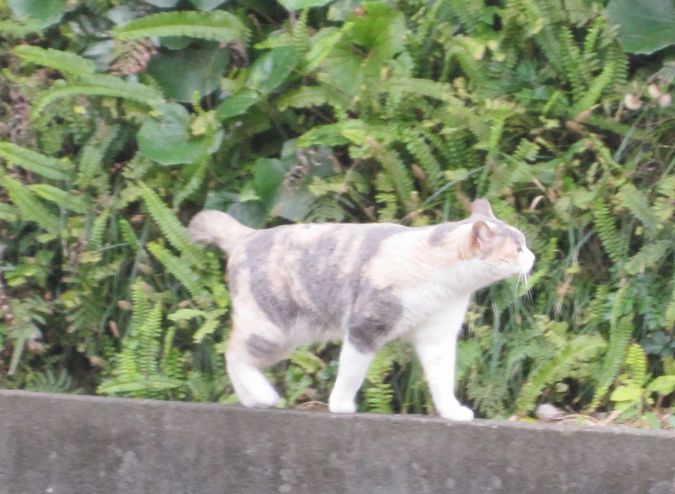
(314, 242)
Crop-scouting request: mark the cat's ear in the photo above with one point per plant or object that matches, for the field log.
(481, 207)
(481, 233)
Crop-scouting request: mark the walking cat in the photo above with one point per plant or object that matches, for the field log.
(365, 283)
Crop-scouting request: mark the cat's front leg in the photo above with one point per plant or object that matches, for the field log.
(436, 345)
(352, 369)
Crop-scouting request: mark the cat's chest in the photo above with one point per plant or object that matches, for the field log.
(431, 299)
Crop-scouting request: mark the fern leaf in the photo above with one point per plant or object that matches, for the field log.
(171, 228)
(379, 394)
(91, 159)
(638, 204)
(128, 234)
(62, 198)
(597, 88)
(63, 61)
(649, 256)
(98, 230)
(217, 25)
(604, 225)
(206, 329)
(636, 364)
(580, 349)
(619, 338)
(34, 162)
(31, 208)
(148, 338)
(397, 171)
(423, 153)
(99, 85)
(140, 303)
(178, 268)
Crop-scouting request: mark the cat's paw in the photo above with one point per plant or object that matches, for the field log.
(341, 406)
(263, 399)
(458, 413)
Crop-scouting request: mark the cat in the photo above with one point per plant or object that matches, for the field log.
(365, 283)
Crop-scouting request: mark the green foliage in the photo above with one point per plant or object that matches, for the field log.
(216, 26)
(392, 111)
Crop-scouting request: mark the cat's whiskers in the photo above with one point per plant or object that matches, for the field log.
(522, 278)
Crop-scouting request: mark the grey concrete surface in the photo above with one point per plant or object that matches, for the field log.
(60, 444)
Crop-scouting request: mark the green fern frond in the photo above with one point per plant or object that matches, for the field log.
(581, 349)
(420, 87)
(34, 162)
(98, 85)
(63, 61)
(607, 231)
(148, 335)
(217, 25)
(636, 364)
(91, 159)
(98, 230)
(305, 97)
(597, 87)
(197, 172)
(386, 196)
(62, 198)
(211, 323)
(140, 301)
(31, 208)
(396, 169)
(128, 234)
(620, 335)
(424, 154)
(378, 394)
(649, 256)
(571, 61)
(637, 203)
(171, 228)
(526, 150)
(178, 268)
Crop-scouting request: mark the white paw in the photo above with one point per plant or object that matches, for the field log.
(458, 413)
(341, 406)
(262, 400)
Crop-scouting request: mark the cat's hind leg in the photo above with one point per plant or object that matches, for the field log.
(352, 369)
(245, 359)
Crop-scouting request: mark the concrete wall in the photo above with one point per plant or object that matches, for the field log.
(68, 444)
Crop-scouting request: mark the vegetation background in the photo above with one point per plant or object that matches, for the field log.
(121, 119)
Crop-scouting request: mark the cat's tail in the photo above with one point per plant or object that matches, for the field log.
(217, 228)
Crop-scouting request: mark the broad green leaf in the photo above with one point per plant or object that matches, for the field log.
(629, 392)
(272, 69)
(268, 177)
(46, 12)
(664, 385)
(168, 141)
(646, 26)
(200, 71)
(237, 104)
(218, 26)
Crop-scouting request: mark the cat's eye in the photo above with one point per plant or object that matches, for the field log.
(520, 249)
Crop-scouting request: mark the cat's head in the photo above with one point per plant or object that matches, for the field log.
(500, 245)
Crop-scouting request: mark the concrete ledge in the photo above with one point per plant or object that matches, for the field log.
(64, 444)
